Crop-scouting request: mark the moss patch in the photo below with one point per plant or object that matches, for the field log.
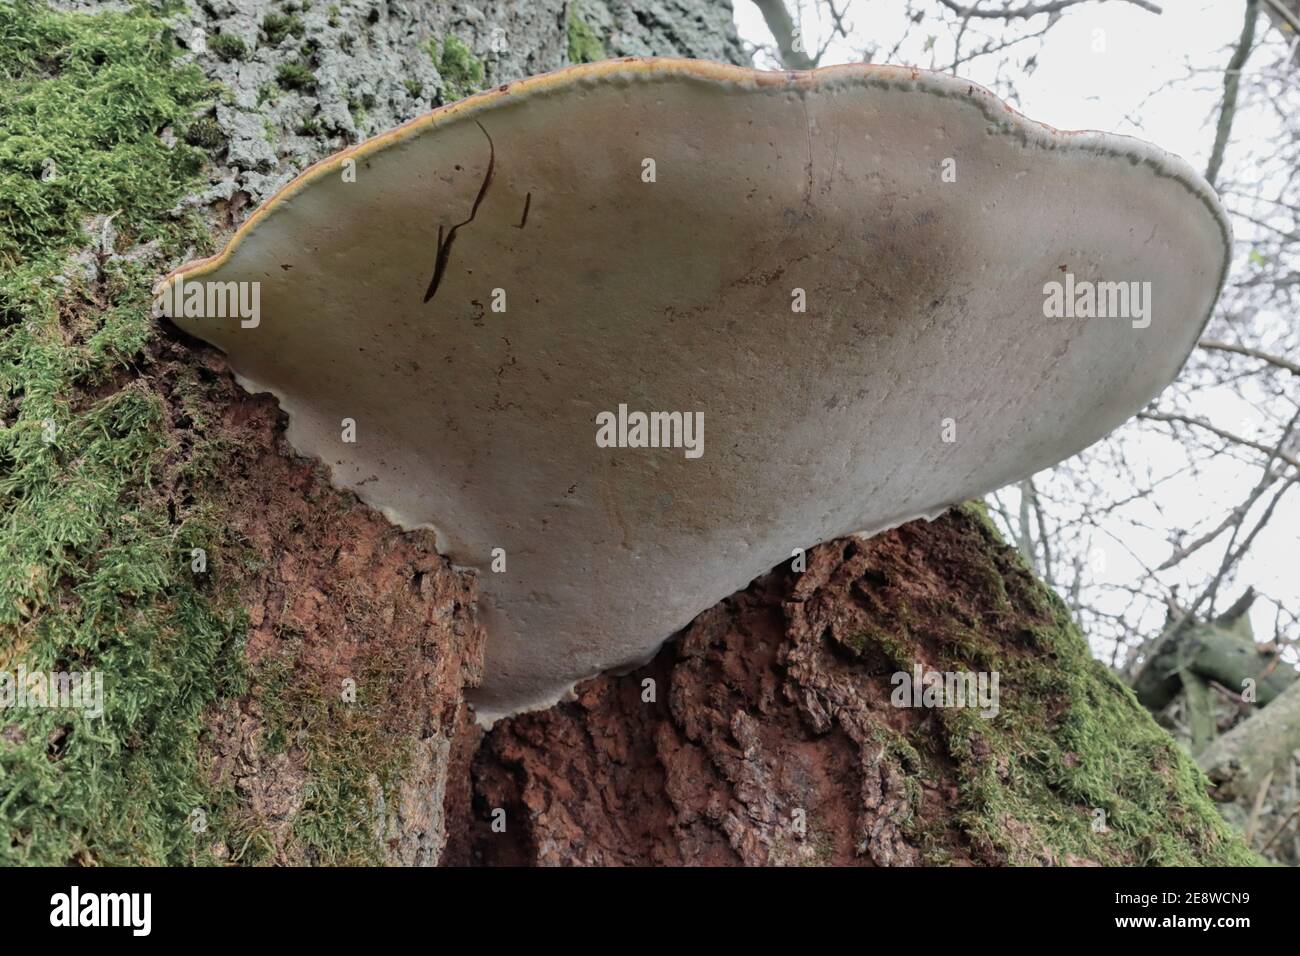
(585, 45)
(228, 47)
(122, 451)
(95, 562)
(295, 76)
(277, 26)
(353, 758)
(461, 71)
(1072, 769)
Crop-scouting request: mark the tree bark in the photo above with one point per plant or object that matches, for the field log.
(770, 703)
(1239, 762)
(771, 732)
(333, 593)
(786, 33)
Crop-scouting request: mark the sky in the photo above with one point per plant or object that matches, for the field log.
(1115, 67)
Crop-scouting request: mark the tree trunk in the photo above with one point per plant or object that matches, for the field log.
(775, 730)
(1222, 651)
(284, 669)
(318, 654)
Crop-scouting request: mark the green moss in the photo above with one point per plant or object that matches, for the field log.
(94, 562)
(1071, 768)
(360, 107)
(585, 45)
(353, 757)
(228, 47)
(295, 76)
(80, 109)
(1071, 746)
(110, 475)
(894, 646)
(976, 508)
(277, 26)
(461, 71)
(206, 134)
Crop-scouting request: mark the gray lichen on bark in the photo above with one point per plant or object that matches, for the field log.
(308, 79)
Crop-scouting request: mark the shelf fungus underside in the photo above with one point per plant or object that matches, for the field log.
(869, 292)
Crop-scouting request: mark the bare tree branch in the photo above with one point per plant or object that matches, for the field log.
(1290, 459)
(1282, 13)
(783, 29)
(1231, 84)
(1278, 361)
(1044, 533)
(1033, 9)
(1234, 517)
(991, 47)
(1231, 556)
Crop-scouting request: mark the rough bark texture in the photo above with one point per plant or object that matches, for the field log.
(766, 733)
(373, 64)
(335, 594)
(1232, 702)
(359, 638)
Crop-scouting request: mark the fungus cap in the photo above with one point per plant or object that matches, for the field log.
(847, 272)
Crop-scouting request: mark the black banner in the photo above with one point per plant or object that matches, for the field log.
(333, 907)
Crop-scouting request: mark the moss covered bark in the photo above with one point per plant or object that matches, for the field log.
(769, 732)
(95, 561)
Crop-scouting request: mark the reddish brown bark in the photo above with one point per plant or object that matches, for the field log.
(766, 742)
(772, 735)
(333, 593)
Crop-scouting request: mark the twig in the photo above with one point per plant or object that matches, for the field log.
(782, 28)
(1033, 9)
(1231, 82)
(1275, 360)
(1277, 452)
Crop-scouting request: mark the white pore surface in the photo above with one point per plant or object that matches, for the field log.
(924, 302)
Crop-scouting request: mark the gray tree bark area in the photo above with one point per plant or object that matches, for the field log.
(1239, 761)
(373, 68)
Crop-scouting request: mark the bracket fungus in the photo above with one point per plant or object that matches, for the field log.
(881, 289)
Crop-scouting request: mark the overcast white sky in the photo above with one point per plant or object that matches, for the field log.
(1159, 78)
